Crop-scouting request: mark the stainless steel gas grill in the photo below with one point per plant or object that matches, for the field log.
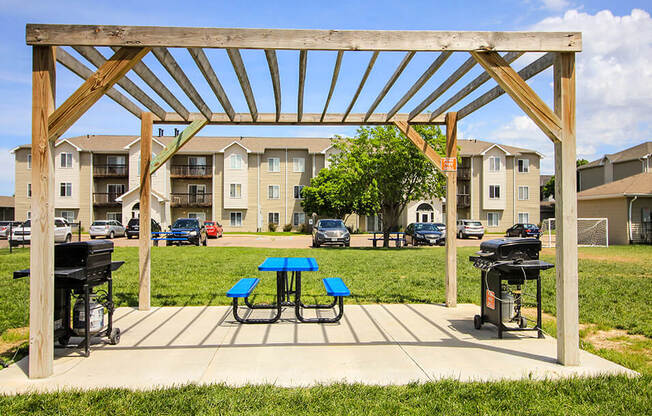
(507, 266)
(78, 269)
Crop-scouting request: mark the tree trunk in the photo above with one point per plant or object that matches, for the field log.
(390, 220)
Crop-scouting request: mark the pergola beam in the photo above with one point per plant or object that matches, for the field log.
(272, 63)
(82, 71)
(370, 65)
(451, 213)
(145, 201)
(213, 81)
(352, 40)
(172, 67)
(243, 79)
(93, 89)
(420, 143)
(174, 146)
(336, 74)
(522, 94)
(390, 82)
(303, 62)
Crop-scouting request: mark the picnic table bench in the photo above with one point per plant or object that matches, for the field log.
(398, 237)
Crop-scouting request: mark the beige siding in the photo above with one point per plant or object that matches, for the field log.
(531, 181)
(494, 178)
(267, 179)
(236, 176)
(85, 215)
(23, 176)
(615, 209)
(66, 175)
(296, 178)
(591, 177)
(626, 169)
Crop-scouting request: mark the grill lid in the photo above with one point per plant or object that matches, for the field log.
(510, 249)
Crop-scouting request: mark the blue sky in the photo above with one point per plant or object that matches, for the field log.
(614, 76)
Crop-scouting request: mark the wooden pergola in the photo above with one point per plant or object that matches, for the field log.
(493, 51)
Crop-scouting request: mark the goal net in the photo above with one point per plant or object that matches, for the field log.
(591, 232)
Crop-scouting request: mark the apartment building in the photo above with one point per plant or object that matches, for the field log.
(615, 166)
(246, 183)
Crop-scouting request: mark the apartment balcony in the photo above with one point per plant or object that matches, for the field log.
(463, 200)
(110, 171)
(105, 199)
(191, 171)
(463, 173)
(191, 200)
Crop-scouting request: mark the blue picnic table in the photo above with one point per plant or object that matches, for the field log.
(399, 237)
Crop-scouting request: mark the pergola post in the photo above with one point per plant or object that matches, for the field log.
(144, 237)
(451, 213)
(41, 287)
(566, 213)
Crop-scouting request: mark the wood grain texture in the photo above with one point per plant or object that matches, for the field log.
(526, 73)
(172, 67)
(243, 78)
(82, 71)
(145, 213)
(522, 94)
(471, 86)
(568, 349)
(41, 282)
(451, 213)
(443, 87)
(174, 146)
(390, 83)
(97, 59)
(159, 88)
(336, 74)
(303, 62)
(308, 119)
(213, 81)
(272, 63)
(93, 89)
(427, 74)
(353, 40)
(419, 142)
(370, 65)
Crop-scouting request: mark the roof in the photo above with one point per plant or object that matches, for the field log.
(640, 150)
(477, 147)
(7, 201)
(636, 185)
(158, 196)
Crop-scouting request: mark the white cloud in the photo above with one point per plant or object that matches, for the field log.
(555, 4)
(614, 84)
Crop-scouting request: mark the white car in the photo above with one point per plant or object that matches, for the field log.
(23, 233)
(470, 228)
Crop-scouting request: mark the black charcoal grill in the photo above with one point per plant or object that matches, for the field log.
(78, 269)
(507, 265)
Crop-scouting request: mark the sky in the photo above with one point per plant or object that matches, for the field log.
(614, 70)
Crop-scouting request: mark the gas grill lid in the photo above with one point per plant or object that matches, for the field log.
(510, 249)
(83, 254)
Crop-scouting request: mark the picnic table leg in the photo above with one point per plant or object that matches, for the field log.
(298, 305)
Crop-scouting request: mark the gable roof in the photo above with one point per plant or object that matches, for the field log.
(479, 147)
(635, 152)
(636, 185)
(158, 196)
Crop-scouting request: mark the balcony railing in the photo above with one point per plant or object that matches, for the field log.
(105, 198)
(463, 200)
(190, 171)
(113, 171)
(463, 173)
(191, 200)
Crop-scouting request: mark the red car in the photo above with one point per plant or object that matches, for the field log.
(213, 229)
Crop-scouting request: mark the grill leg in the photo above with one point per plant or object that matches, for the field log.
(539, 320)
(87, 323)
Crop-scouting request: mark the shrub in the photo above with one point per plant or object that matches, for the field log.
(287, 227)
(272, 226)
(302, 228)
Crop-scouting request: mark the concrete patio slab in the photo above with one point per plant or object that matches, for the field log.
(372, 344)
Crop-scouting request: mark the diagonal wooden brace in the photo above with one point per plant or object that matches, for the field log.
(172, 148)
(421, 144)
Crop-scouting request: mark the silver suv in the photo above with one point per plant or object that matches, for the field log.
(332, 232)
(106, 228)
(468, 228)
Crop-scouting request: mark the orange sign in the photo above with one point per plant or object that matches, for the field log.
(491, 299)
(449, 164)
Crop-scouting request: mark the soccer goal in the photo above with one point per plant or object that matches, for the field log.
(591, 232)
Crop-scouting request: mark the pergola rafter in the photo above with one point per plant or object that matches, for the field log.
(132, 43)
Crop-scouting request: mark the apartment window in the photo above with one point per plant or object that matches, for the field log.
(523, 217)
(235, 190)
(494, 191)
(298, 164)
(115, 189)
(297, 191)
(523, 193)
(29, 161)
(298, 218)
(273, 192)
(273, 218)
(115, 160)
(29, 215)
(29, 190)
(66, 160)
(273, 164)
(69, 216)
(114, 216)
(65, 189)
(236, 219)
(236, 161)
(494, 164)
(523, 165)
(492, 219)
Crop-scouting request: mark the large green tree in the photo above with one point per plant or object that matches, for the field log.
(382, 164)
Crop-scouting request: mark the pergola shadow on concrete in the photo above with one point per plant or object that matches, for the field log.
(131, 43)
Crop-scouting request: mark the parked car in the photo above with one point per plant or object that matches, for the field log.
(213, 229)
(424, 233)
(5, 226)
(470, 228)
(331, 232)
(106, 228)
(190, 228)
(523, 230)
(23, 233)
(133, 227)
(441, 226)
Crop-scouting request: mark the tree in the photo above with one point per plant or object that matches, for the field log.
(382, 158)
(549, 187)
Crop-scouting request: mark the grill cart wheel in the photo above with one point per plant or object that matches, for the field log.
(522, 322)
(477, 322)
(114, 337)
(63, 341)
